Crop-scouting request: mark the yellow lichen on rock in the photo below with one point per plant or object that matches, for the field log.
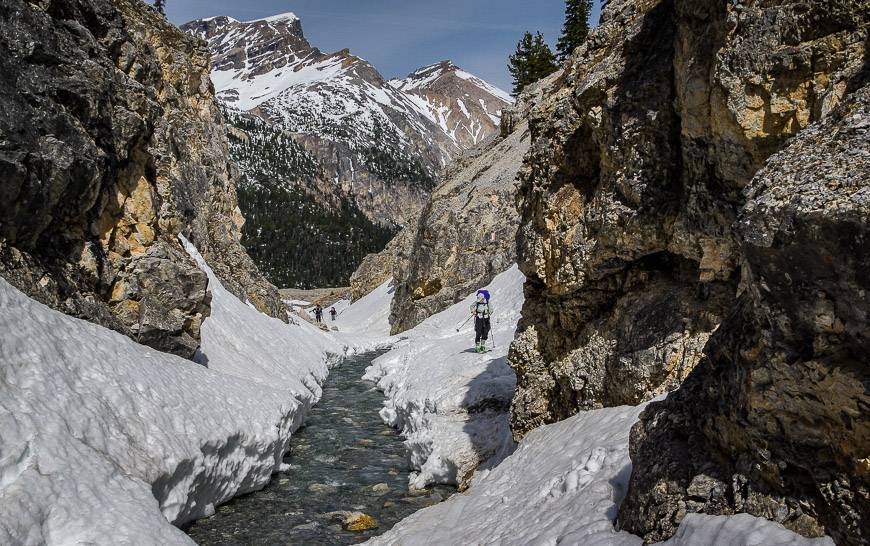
(357, 521)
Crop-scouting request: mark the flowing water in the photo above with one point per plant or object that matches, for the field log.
(344, 459)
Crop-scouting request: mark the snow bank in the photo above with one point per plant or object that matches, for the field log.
(450, 402)
(238, 340)
(105, 440)
(370, 314)
(562, 485)
(738, 530)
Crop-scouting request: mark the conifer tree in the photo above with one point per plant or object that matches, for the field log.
(160, 5)
(576, 27)
(544, 62)
(519, 63)
(532, 61)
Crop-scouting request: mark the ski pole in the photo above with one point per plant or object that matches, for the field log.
(463, 323)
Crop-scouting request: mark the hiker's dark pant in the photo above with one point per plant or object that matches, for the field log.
(481, 329)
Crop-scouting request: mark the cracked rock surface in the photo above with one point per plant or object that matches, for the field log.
(111, 144)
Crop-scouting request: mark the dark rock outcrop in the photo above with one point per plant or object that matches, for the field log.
(774, 420)
(111, 145)
(638, 160)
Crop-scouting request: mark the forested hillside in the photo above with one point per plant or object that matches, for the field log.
(297, 234)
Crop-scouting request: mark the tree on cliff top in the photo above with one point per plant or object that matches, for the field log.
(532, 61)
(576, 27)
(160, 5)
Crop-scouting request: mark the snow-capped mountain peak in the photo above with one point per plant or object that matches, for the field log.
(288, 17)
(371, 135)
(424, 76)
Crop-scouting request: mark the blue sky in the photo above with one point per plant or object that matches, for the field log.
(398, 36)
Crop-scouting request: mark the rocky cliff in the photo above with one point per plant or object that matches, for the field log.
(111, 145)
(694, 210)
(638, 162)
(774, 421)
(466, 233)
(376, 268)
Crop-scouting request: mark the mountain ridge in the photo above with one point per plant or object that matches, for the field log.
(378, 145)
(268, 68)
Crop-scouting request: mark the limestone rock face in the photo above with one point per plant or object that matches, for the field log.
(111, 145)
(774, 421)
(374, 270)
(466, 233)
(639, 157)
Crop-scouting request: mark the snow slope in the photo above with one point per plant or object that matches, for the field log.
(370, 314)
(238, 340)
(563, 485)
(449, 402)
(103, 437)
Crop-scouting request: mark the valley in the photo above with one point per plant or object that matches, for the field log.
(626, 305)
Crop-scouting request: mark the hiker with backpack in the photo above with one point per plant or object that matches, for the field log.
(318, 313)
(332, 313)
(481, 310)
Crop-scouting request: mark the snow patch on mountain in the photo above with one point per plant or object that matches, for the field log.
(246, 92)
(486, 86)
(281, 17)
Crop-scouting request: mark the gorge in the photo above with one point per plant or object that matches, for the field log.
(673, 229)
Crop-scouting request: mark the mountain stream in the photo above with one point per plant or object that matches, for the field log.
(344, 459)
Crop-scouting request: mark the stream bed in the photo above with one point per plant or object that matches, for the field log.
(344, 459)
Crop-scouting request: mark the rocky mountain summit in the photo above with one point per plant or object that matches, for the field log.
(465, 107)
(111, 145)
(380, 142)
(672, 231)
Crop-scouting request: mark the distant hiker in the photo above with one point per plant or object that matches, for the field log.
(332, 314)
(481, 310)
(318, 313)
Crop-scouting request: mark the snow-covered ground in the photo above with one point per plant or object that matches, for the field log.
(562, 485)
(108, 441)
(449, 402)
(370, 315)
